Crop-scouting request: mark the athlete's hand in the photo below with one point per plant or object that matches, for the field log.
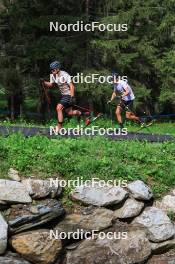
(123, 96)
(42, 80)
(73, 100)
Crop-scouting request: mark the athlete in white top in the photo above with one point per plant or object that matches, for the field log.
(63, 81)
(123, 89)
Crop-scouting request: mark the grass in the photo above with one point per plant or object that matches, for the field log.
(171, 215)
(92, 157)
(167, 128)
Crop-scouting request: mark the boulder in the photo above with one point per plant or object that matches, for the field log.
(140, 190)
(168, 203)
(94, 194)
(4, 206)
(131, 208)
(41, 188)
(12, 258)
(24, 217)
(158, 248)
(2, 203)
(98, 219)
(156, 223)
(134, 249)
(13, 175)
(3, 235)
(37, 246)
(168, 258)
(13, 192)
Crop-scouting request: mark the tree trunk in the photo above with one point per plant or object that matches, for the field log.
(87, 9)
(21, 111)
(12, 108)
(87, 36)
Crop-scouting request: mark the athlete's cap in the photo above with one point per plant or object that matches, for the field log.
(55, 65)
(115, 74)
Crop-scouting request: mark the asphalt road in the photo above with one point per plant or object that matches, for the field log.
(32, 131)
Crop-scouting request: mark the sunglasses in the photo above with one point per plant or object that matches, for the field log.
(54, 70)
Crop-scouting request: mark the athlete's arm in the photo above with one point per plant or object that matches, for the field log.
(126, 89)
(48, 84)
(113, 96)
(72, 89)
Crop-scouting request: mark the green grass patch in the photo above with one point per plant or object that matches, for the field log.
(90, 157)
(171, 215)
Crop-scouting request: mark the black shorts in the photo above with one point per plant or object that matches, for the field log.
(66, 101)
(126, 105)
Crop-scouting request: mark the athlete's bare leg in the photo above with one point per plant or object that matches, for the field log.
(60, 116)
(72, 112)
(132, 116)
(118, 115)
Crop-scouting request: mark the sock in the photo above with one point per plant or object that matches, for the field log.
(121, 125)
(85, 113)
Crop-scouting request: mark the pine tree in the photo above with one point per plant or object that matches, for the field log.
(144, 53)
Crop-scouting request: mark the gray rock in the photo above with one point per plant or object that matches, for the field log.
(73, 246)
(140, 190)
(14, 175)
(13, 192)
(168, 258)
(41, 188)
(156, 223)
(159, 248)
(131, 208)
(4, 206)
(168, 203)
(2, 203)
(12, 258)
(94, 194)
(98, 219)
(3, 235)
(26, 217)
(134, 249)
(37, 246)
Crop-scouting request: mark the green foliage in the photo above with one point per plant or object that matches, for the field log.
(144, 53)
(171, 215)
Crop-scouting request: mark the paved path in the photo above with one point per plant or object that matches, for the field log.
(32, 131)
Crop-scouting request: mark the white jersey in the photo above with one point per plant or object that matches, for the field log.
(63, 80)
(119, 88)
